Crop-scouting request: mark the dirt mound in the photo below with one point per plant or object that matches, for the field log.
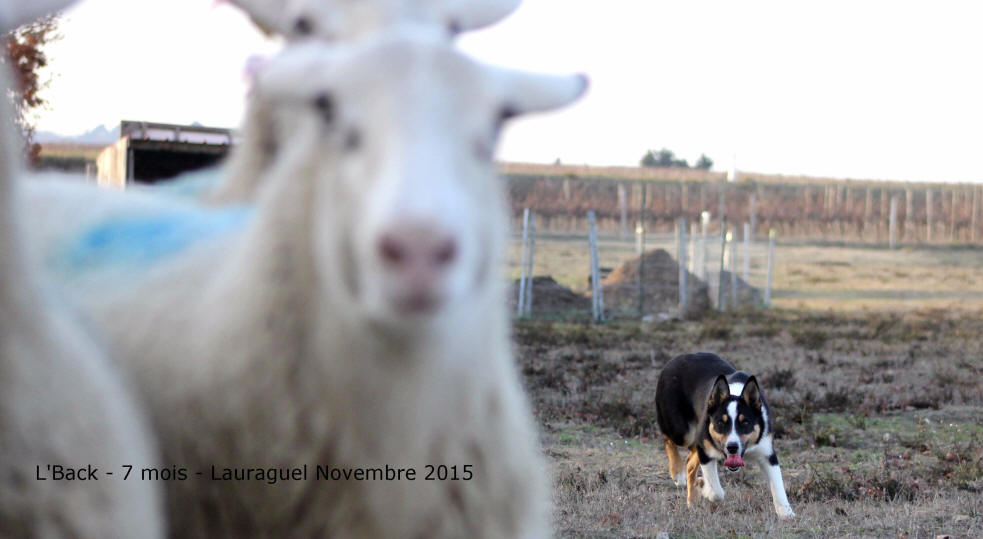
(747, 295)
(550, 297)
(660, 287)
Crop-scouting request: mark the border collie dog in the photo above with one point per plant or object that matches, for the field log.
(716, 413)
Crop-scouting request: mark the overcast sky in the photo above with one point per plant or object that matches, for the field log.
(886, 89)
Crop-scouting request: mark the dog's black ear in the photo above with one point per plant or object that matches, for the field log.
(752, 393)
(719, 394)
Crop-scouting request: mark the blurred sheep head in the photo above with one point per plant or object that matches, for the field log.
(398, 136)
(348, 19)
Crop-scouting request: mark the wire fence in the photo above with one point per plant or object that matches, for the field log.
(702, 266)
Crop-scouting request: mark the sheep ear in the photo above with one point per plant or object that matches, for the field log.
(462, 15)
(14, 14)
(752, 393)
(265, 14)
(534, 92)
(719, 394)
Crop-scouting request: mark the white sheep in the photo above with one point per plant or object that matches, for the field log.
(331, 20)
(324, 20)
(345, 20)
(354, 319)
(61, 403)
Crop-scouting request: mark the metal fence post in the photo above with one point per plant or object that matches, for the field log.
(679, 239)
(527, 309)
(691, 240)
(723, 254)
(893, 224)
(973, 217)
(753, 217)
(909, 231)
(623, 202)
(929, 211)
(683, 248)
(597, 298)
(952, 216)
(732, 239)
(641, 251)
(868, 211)
(747, 252)
(522, 268)
(704, 258)
(771, 266)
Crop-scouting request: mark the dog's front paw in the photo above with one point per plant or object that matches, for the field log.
(711, 494)
(680, 480)
(785, 511)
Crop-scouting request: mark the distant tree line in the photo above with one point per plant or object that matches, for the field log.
(666, 158)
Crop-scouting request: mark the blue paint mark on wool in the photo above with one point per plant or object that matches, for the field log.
(191, 185)
(145, 239)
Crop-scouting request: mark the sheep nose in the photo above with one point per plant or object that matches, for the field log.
(732, 448)
(422, 247)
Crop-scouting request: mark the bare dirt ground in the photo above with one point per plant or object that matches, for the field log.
(879, 423)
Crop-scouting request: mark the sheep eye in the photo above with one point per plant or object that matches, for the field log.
(505, 113)
(303, 26)
(508, 112)
(353, 139)
(325, 107)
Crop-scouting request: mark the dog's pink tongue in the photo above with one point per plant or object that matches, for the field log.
(734, 461)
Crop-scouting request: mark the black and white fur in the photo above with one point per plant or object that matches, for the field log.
(706, 410)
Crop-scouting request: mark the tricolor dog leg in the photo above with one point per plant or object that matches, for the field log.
(676, 465)
(711, 482)
(764, 455)
(692, 465)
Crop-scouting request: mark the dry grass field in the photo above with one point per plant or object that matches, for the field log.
(70, 150)
(850, 278)
(879, 423)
